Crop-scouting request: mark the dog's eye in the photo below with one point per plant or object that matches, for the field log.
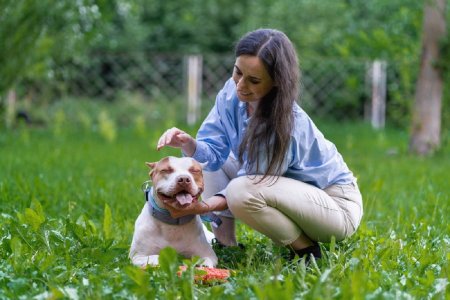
(195, 170)
(165, 171)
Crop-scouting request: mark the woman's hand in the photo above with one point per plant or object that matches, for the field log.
(215, 203)
(177, 138)
(178, 211)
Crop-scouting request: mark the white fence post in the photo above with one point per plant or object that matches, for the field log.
(378, 104)
(194, 87)
(10, 115)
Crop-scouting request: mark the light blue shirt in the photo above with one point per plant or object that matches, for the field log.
(311, 158)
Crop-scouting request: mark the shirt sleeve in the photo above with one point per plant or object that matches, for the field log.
(213, 141)
(314, 159)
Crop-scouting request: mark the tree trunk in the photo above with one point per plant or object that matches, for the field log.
(426, 118)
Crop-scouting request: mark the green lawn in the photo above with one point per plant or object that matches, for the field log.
(70, 196)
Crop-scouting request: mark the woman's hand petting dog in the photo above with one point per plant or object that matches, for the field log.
(177, 210)
(215, 203)
(177, 138)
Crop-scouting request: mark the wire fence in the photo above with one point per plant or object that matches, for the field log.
(330, 88)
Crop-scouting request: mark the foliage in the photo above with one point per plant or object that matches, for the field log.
(185, 26)
(40, 37)
(37, 35)
(21, 28)
(70, 198)
(387, 30)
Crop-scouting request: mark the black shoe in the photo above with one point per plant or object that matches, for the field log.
(313, 250)
(216, 244)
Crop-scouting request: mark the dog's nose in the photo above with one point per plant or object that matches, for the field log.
(184, 179)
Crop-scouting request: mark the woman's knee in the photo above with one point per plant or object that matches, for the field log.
(240, 194)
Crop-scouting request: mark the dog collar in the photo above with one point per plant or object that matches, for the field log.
(163, 214)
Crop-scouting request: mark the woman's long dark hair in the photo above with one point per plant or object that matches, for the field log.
(272, 122)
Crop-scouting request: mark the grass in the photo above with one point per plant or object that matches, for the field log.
(70, 195)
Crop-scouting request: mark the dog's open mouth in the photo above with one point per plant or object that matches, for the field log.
(183, 197)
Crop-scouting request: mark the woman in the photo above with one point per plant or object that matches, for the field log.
(269, 164)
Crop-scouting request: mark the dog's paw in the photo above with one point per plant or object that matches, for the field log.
(209, 262)
(142, 261)
(153, 260)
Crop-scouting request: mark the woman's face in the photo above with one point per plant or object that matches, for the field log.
(252, 79)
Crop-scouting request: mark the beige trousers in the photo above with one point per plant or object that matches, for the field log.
(285, 209)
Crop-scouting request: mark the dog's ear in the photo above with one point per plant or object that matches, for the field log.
(151, 165)
(203, 165)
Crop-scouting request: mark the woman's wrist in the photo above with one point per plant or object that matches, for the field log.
(215, 203)
(204, 208)
(189, 147)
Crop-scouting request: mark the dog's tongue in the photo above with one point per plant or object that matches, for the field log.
(184, 198)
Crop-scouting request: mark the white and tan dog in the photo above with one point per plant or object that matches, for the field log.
(177, 179)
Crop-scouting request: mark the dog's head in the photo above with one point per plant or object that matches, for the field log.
(176, 178)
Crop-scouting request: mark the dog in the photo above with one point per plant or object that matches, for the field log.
(179, 179)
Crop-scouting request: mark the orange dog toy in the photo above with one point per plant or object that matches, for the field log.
(207, 275)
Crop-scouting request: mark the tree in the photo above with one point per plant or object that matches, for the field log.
(37, 35)
(22, 25)
(426, 118)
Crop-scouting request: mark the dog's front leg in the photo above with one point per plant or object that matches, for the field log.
(144, 260)
(207, 255)
(209, 262)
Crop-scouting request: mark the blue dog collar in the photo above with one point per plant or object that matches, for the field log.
(163, 214)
